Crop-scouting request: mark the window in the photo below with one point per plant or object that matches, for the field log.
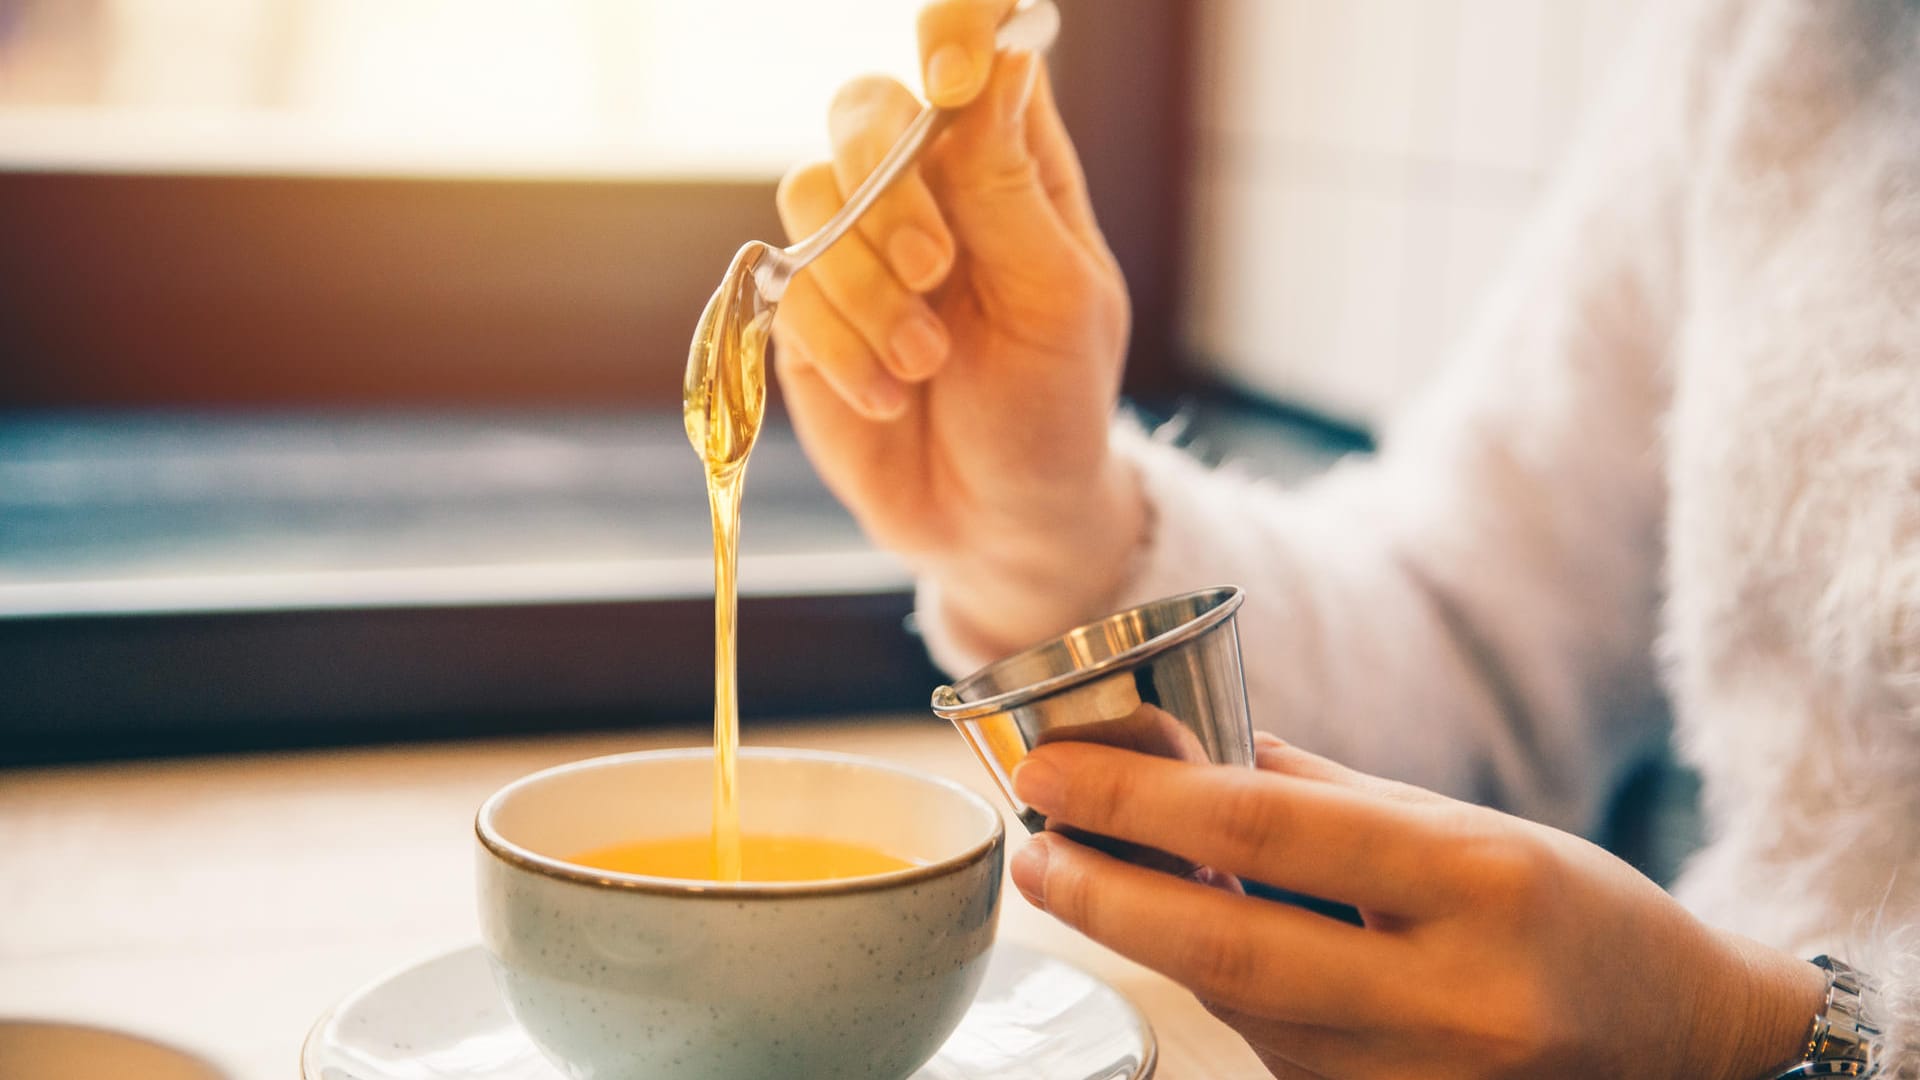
(341, 340)
(435, 87)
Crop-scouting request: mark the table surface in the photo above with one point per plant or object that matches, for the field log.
(220, 904)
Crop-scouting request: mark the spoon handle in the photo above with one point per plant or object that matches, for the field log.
(1032, 27)
(914, 139)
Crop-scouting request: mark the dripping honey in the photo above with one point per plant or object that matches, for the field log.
(725, 402)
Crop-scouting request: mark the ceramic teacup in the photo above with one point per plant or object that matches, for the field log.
(623, 976)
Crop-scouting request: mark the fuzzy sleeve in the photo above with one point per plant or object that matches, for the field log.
(1474, 609)
(1891, 957)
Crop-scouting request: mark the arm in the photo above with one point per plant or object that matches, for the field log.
(1473, 611)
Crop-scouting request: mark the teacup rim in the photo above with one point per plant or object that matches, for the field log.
(525, 859)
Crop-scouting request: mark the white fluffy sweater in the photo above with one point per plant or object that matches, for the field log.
(1675, 470)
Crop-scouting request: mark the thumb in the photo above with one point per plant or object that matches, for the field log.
(956, 47)
(994, 189)
(1274, 754)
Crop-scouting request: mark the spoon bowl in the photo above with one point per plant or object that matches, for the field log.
(725, 389)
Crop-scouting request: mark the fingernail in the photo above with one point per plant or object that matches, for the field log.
(1218, 879)
(917, 257)
(919, 345)
(1039, 784)
(950, 74)
(885, 397)
(1029, 868)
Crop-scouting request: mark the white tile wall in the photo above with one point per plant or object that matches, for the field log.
(1362, 167)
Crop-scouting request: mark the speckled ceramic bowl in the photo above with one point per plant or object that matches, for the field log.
(624, 977)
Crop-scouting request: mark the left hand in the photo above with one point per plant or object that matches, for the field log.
(1493, 946)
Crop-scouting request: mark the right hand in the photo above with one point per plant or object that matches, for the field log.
(952, 364)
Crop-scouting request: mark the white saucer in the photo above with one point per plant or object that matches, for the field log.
(1035, 1017)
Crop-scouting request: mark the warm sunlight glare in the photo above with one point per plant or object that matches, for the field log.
(615, 87)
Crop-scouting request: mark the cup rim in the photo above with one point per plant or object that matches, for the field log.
(948, 705)
(523, 858)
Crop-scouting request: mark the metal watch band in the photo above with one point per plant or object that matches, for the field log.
(1840, 1040)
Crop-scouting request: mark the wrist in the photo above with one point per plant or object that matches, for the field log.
(1763, 1014)
(1011, 587)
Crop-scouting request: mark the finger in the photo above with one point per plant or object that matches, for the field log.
(1273, 754)
(985, 175)
(1059, 166)
(1226, 949)
(1280, 1045)
(841, 440)
(956, 47)
(905, 223)
(898, 326)
(811, 329)
(1315, 838)
(901, 328)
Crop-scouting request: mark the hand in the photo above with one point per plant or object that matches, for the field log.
(952, 364)
(1493, 947)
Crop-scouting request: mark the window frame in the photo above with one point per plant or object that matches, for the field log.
(157, 290)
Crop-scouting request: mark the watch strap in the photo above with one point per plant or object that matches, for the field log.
(1840, 1039)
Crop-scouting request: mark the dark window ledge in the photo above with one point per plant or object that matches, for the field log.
(177, 582)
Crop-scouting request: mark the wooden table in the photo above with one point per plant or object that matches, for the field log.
(220, 904)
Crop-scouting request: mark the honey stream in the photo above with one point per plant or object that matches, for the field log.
(725, 399)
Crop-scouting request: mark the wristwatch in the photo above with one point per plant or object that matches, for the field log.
(1840, 1041)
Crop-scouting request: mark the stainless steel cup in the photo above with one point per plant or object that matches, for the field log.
(1180, 654)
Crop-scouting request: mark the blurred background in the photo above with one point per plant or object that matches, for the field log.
(340, 340)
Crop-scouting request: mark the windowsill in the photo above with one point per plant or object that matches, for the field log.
(174, 583)
(176, 514)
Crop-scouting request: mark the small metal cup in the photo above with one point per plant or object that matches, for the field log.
(1180, 654)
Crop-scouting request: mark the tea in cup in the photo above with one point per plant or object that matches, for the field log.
(851, 948)
(762, 858)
